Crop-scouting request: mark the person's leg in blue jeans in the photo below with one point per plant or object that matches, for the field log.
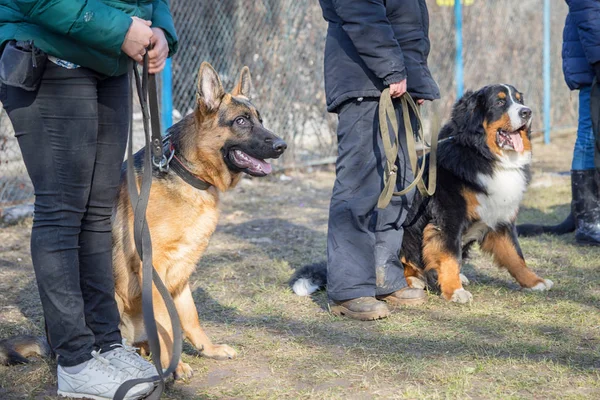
(74, 166)
(583, 152)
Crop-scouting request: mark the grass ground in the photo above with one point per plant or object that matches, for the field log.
(507, 344)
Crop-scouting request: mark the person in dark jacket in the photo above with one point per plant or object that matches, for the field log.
(72, 129)
(370, 45)
(581, 68)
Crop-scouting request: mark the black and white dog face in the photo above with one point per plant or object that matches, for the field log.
(497, 115)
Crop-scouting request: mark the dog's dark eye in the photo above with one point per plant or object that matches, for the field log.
(500, 102)
(241, 121)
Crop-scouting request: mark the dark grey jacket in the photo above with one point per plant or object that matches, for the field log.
(372, 43)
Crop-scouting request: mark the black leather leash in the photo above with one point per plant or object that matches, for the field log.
(153, 155)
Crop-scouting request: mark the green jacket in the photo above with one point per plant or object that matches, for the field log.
(86, 32)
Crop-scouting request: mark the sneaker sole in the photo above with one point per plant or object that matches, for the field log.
(81, 396)
(93, 397)
(362, 316)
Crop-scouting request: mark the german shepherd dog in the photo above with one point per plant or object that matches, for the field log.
(483, 170)
(220, 140)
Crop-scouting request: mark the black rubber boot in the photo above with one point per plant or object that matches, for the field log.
(586, 206)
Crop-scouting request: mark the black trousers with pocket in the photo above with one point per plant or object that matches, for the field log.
(72, 133)
(363, 242)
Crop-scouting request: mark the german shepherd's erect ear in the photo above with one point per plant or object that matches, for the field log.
(244, 84)
(209, 90)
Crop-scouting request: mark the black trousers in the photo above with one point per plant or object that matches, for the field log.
(72, 133)
(363, 242)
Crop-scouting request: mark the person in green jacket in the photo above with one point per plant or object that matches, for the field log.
(72, 131)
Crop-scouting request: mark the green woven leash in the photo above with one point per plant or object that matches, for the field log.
(387, 113)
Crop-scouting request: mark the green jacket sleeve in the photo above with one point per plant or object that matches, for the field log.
(161, 18)
(88, 21)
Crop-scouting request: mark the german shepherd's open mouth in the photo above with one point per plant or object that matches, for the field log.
(246, 163)
(251, 160)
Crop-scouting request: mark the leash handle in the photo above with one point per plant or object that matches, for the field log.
(387, 119)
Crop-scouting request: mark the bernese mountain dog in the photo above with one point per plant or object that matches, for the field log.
(483, 164)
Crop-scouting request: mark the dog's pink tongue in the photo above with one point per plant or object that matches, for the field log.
(517, 141)
(252, 164)
(261, 165)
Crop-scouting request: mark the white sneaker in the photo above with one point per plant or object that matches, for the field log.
(98, 380)
(126, 358)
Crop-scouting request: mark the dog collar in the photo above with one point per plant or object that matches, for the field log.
(184, 173)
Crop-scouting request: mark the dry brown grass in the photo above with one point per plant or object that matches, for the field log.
(508, 344)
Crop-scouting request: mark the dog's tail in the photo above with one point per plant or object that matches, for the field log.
(529, 230)
(309, 279)
(15, 350)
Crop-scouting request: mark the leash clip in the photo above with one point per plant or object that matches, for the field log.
(163, 163)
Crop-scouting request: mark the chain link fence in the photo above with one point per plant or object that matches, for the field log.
(282, 41)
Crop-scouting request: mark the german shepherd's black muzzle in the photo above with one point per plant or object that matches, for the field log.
(248, 153)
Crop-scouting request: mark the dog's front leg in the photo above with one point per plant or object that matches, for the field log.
(503, 245)
(194, 332)
(441, 252)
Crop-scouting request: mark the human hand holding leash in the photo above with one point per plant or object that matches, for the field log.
(137, 39)
(399, 88)
(159, 52)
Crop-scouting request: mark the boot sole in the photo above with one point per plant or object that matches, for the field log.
(584, 242)
(394, 302)
(362, 316)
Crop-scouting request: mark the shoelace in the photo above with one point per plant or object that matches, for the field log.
(131, 352)
(103, 365)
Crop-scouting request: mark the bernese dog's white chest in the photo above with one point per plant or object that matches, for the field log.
(505, 189)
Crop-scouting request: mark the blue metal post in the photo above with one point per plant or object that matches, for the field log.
(167, 95)
(459, 48)
(546, 71)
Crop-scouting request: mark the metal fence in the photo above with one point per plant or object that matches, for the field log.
(282, 41)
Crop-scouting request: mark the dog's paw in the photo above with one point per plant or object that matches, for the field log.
(183, 371)
(416, 283)
(461, 296)
(463, 279)
(219, 352)
(546, 284)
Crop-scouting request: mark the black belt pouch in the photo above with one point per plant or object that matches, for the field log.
(22, 65)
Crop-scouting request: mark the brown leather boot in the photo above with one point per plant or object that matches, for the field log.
(405, 297)
(361, 308)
